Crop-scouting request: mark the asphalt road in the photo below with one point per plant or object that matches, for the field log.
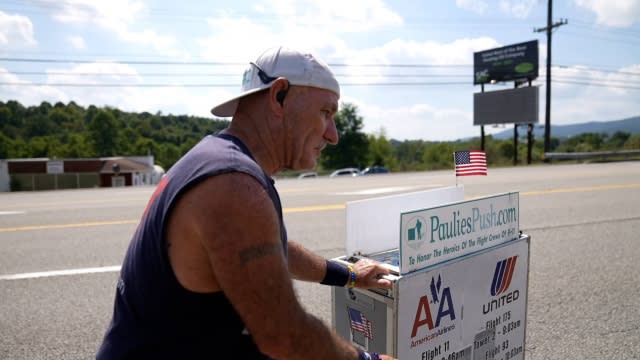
(60, 251)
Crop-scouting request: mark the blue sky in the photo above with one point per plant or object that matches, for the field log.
(183, 57)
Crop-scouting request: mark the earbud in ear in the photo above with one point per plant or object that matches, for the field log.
(281, 95)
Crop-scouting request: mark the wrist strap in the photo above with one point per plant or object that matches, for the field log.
(352, 276)
(336, 275)
(363, 355)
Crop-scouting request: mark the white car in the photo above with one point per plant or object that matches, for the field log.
(345, 172)
(307, 175)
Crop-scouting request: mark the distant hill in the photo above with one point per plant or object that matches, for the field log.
(630, 125)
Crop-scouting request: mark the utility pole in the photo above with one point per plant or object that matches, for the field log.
(549, 29)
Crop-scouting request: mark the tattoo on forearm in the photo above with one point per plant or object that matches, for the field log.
(259, 251)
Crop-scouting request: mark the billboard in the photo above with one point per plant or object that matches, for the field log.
(512, 106)
(519, 61)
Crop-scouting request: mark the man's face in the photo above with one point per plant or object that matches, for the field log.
(310, 126)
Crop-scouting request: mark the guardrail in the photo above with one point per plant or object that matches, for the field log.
(601, 155)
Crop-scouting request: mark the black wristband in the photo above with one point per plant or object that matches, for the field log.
(336, 275)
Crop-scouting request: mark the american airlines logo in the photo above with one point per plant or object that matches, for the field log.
(502, 276)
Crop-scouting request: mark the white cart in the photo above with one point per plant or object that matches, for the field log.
(455, 304)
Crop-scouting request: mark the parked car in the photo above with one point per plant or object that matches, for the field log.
(306, 175)
(345, 172)
(374, 170)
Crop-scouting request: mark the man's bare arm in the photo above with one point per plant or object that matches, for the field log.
(305, 265)
(241, 236)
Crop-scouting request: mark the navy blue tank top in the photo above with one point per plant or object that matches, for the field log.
(154, 316)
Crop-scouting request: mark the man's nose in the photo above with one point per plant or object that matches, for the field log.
(331, 134)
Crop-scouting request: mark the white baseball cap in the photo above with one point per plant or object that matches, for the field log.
(299, 69)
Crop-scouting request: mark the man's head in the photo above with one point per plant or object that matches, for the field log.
(299, 69)
(290, 99)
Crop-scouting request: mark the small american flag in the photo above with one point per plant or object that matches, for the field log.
(360, 323)
(470, 163)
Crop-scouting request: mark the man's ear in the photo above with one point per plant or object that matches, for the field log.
(279, 91)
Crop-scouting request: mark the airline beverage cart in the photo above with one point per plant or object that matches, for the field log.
(459, 271)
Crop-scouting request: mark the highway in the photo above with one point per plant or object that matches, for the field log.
(60, 252)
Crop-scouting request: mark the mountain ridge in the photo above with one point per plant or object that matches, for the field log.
(630, 125)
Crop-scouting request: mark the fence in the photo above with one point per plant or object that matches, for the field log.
(594, 155)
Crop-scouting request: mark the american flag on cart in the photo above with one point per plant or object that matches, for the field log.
(470, 163)
(360, 323)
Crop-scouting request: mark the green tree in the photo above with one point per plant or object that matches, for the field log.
(438, 156)
(5, 146)
(617, 140)
(633, 143)
(381, 151)
(351, 150)
(168, 154)
(103, 132)
(410, 154)
(38, 147)
(505, 148)
(77, 146)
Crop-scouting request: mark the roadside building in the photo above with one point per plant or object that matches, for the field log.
(52, 174)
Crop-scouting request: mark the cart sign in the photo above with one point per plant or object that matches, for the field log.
(519, 61)
(435, 235)
(491, 288)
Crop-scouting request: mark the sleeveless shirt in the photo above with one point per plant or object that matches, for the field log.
(154, 316)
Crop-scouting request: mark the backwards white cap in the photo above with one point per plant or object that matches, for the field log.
(299, 69)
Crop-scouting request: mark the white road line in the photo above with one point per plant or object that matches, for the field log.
(67, 272)
(11, 212)
(384, 190)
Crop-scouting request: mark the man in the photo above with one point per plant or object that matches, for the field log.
(209, 270)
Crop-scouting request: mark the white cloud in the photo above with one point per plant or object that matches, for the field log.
(239, 40)
(308, 25)
(118, 16)
(419, 121)
(177, 100)
(77, 42)
(518, 8)
(428, 52)
(476, 6)
(619, 13)
(26, 92)
(597, 95)
(15, 30)
(106, 13)
(336, 16)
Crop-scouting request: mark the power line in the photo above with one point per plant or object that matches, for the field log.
(214, 63)
(127, 62)
(589, 26)
(580, 67)
(598, 84)
(98, 74)
(341, 75)
(568, 80)
(229, 85)
(609, 38)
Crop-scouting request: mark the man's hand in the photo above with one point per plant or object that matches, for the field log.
(386, 357)
(369, 274)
